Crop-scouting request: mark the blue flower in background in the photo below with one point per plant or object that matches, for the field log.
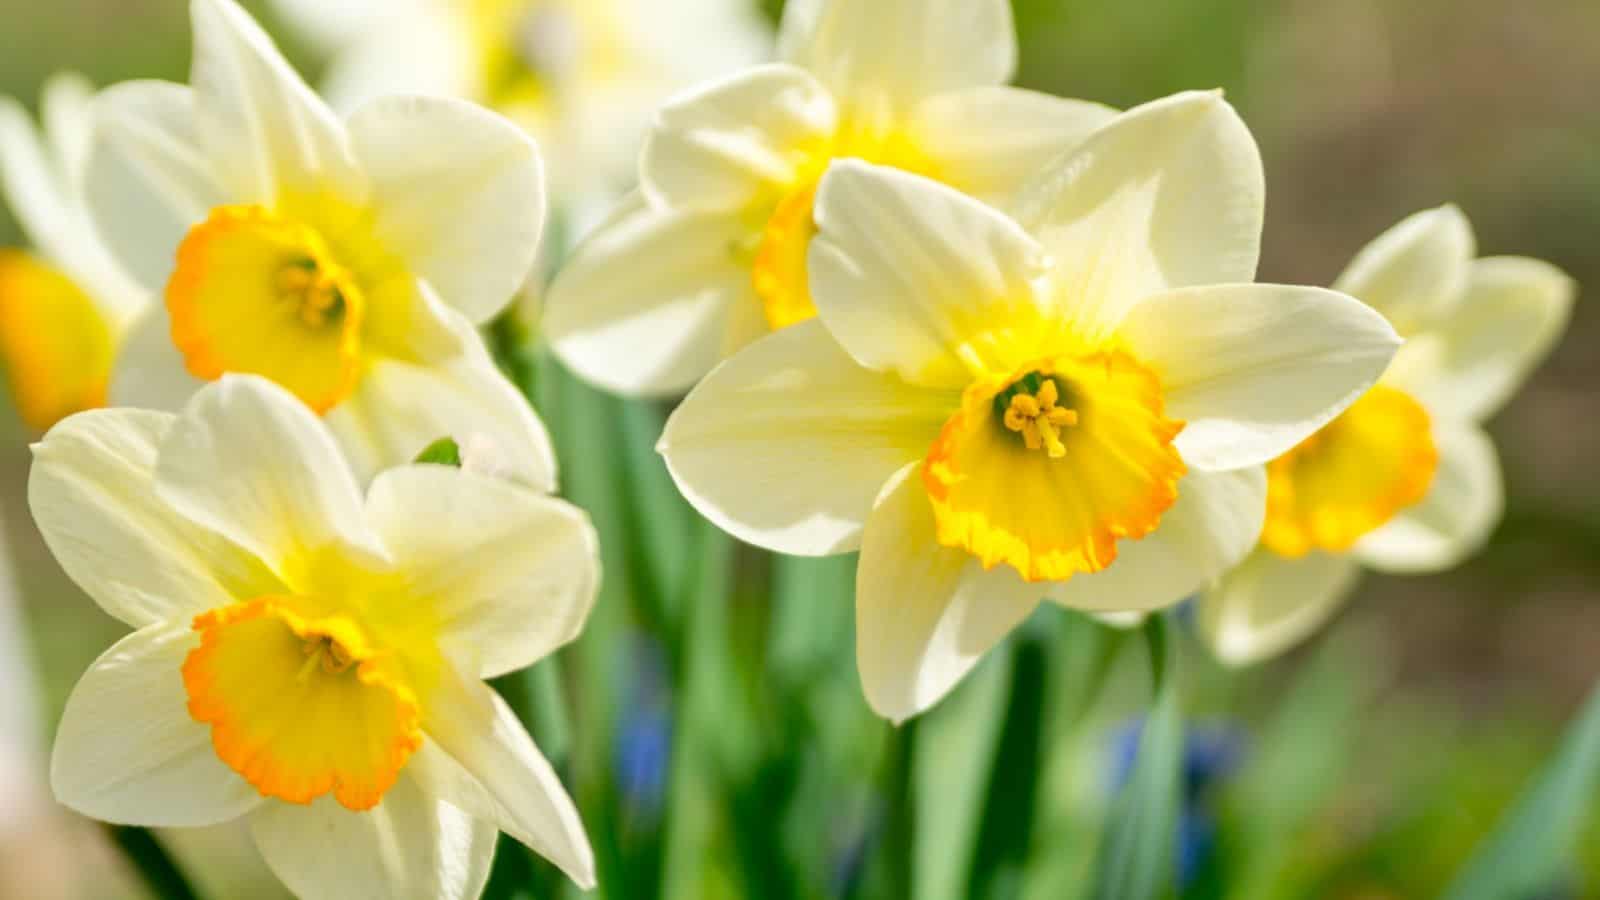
(644, 734)
(1211, 754)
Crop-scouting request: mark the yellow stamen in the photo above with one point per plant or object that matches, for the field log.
(1039, 420)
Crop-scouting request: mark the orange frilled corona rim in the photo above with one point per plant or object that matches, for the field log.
(1046, 468)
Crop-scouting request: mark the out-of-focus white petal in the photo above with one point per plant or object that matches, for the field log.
(724, 145)
(652, 300)
(265, 132)
(149, 178)
(150, 371)
(900, 50)
(253, 464)
(1270, 603)
(458, 193)
(925, 614)
(1455, 519)
(1254, 369)
(787, 444)
(1415, 272)
(490, 767)
(916, 278)
(331, 23)
(66, 109)
(92, 493)
(423, 48)
(410, 847)
(987, 141)
(511, 573)
(1212, 526)
(1167, 195)
(127, 750)
(1470, 363)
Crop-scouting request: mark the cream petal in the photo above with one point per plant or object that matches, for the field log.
(727, 144)
(1415, 272)
(250, 462)
(1454, 520)
(127, 750)
(1514, 311)
(1213, 525)
(265, 131)
(925, 614)
(787, 444)
(1254, 369)
(987, 140)
(652, 300)
(1270, 603)
(92, 493)
(410, 847)
(511, 574)
(150, 371)
(916, 278)
(899, 51)
(422, 50)
(458, 193)
(1166, 195)
(66, 109)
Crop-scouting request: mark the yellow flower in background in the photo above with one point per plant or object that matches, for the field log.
(65, 305)
(711, 252)
(1071, 402)
(307, 658)
(1405, 481)
(344, 260)
(582, 76)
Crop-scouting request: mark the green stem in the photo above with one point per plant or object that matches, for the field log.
(151, 861)
(899, 827)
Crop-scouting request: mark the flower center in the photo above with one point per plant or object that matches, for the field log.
(56, 344)
(257, 292)
(1108, 469)
(301, 705)
(1352, 476)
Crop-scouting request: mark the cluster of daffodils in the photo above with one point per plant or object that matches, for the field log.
(1009, 347)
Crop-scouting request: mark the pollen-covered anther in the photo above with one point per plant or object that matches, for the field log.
(1039, 419)
(314, 292)
(333, 656)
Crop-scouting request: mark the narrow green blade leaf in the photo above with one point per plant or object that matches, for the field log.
(1526, 852)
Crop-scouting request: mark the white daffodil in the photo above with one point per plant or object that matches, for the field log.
(1405, 481)
(318, 253)
(582, 76)
(21, 762)
(65, 306)
(711, 252)
(1071, 403)
(307, 658)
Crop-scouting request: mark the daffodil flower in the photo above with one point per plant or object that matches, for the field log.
(1071, 402)
(65, 306)
(346, 261)
(305, 657)
(582, 76)
(1405, 481)
(711, 252)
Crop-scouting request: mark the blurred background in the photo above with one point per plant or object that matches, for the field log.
(1367, 764)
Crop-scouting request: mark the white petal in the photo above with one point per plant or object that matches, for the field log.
(1513, 313)
(1254, 369)
(458, 193)
(1213, 525)
(490, 767)
(925, 613)
(987, 140)
(1167, 195)
(149, 178)
(914, 277)
(400, 407)
(787, 444)
(511, 574)
(127, 750)
(652, 300)
(150, 370)
(1415, 272)
(1454, 520)
(92, 492)
(250, 462)
(66, 108)
(901, 50)
(266, 132)
(427, 50)
(725, 145)
(1269, 603)
(330, 23)
(410, 847)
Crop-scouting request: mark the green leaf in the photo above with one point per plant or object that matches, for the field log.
(1527, 851)
(1136, 857)
(443, 452)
